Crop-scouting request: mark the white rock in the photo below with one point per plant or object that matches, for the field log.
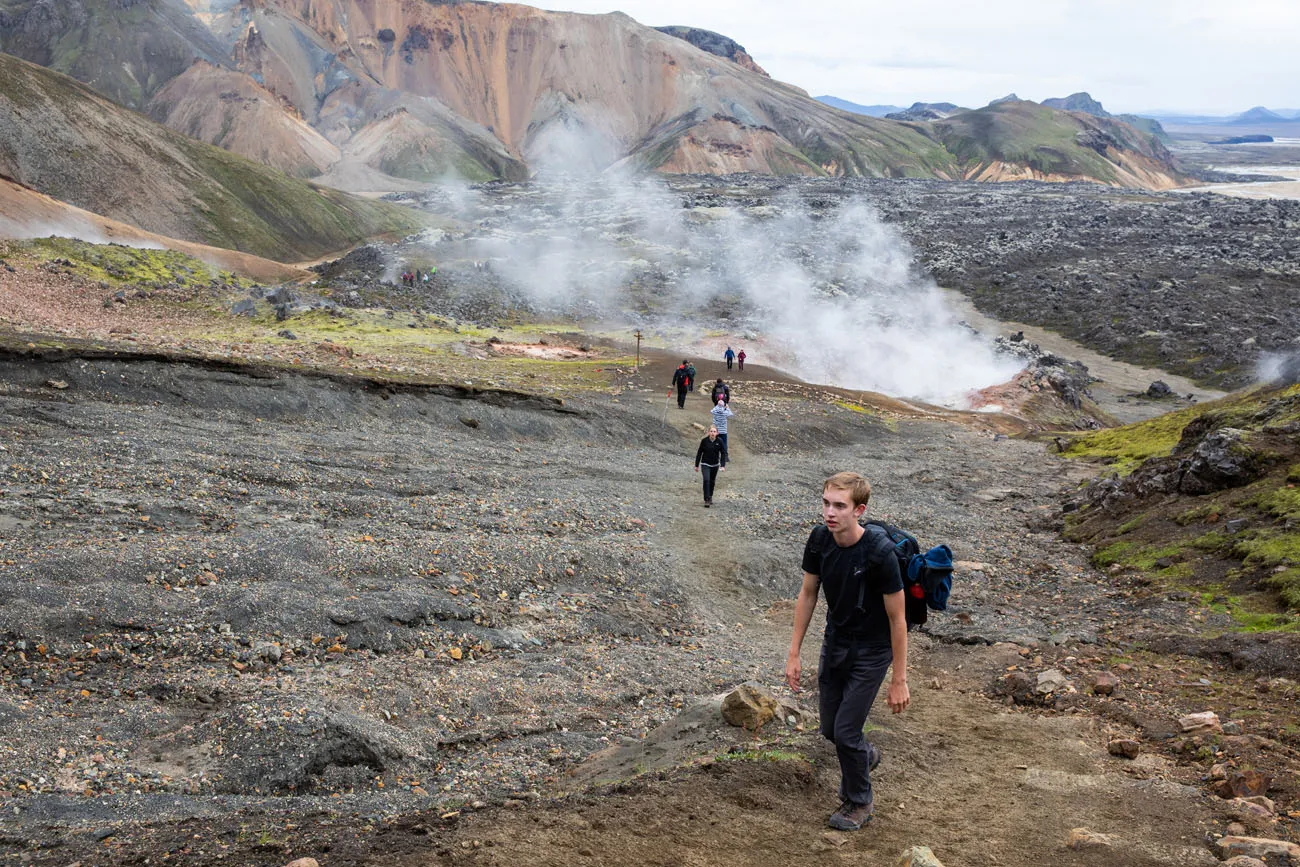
(918, 856)
(1051, 681)
(1200, 723)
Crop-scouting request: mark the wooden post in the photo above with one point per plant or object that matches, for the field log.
(638, 349)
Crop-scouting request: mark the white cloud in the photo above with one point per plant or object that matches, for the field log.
(1192, 55)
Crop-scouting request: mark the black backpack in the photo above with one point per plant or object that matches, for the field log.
(927, 577)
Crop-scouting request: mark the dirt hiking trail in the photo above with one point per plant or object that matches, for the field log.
(976, 783)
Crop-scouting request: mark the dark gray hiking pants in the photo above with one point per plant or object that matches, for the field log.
(848, 678)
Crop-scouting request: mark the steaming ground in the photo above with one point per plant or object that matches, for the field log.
(825, 290)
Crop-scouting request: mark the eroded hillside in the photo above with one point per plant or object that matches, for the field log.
(62, 139)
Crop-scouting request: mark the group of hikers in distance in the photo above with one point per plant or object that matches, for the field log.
(411, 278)
(711, 457)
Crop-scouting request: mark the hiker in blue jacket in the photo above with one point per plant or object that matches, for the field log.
(729, 356)
(866, 631)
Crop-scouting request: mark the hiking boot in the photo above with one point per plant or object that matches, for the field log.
(850, 816)
(708, 503)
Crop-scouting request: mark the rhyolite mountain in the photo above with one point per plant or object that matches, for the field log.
(1013, 139)
(60, 138)
(416, 91)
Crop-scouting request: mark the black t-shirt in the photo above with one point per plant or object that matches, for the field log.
(842, 570)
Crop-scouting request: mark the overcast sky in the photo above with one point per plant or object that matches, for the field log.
(1212, 56)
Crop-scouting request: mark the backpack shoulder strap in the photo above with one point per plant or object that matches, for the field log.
(880, 546)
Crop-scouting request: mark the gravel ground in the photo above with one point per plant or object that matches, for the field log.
(232, 591)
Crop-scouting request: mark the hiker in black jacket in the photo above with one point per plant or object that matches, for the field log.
(682, 381)
(866, 631)
(721, 392)
(712, 456)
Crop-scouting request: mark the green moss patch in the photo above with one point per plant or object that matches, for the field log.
(127, 266)
(1243, 542)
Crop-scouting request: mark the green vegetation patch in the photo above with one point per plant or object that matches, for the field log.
(133, 266)
(1134, 556)
(1276, 550)
(1280, 502)
(1125, 448)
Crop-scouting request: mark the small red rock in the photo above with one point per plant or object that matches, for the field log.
(1105, 683)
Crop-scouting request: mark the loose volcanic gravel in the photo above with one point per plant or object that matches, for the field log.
(231, 590)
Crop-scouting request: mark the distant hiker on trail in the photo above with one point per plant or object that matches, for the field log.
(721, 412)
(866, 630)
(681, 381)
(730, 356)
(712, 456)
(721, 392)
(740, 359)
(690, 376)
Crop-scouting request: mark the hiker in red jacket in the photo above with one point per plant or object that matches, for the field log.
(740, 359)
(681, 381)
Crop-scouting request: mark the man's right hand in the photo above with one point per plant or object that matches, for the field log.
(793, 669)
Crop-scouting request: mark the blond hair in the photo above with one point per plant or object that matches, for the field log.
(858, 487)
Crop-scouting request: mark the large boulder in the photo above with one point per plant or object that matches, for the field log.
(1221, 460)
(750, 706)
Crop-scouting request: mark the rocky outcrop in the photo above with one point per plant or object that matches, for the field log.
(1207, 459)
(924, 111)
(1081, 101)
(715, 43)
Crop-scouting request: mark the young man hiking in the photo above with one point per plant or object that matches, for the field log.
(860, 640)
(729, 356)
